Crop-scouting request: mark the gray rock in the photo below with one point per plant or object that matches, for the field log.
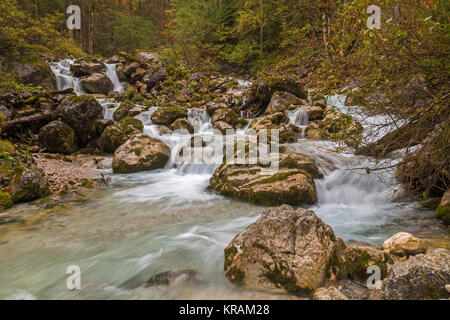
(58, 137)
(97, 83)
(330, 293)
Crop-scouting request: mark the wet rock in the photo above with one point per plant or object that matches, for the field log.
(419, 277)
(58, 137)
(284, 248)
(330, 293)
(80, 113)
(404, 244)
(223, 126)
(167, 115)
(117, 134)
(36, 74)
(97, 83)
(292, 184)
(443, 210)
(211, 107)
(359, 257)
(281, 101)
(170, 277)
(273, 121)
(289, 133)
(182, 124)
(83, 68)
(164, 130)
(140, 153)
(28, 184)
(100, 125)
(123, 110)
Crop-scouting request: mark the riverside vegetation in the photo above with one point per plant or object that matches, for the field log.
(363, 117)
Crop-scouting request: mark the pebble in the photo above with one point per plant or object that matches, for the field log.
(447, 288)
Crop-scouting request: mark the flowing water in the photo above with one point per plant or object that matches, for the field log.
(152, 222)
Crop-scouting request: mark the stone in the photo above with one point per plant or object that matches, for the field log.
(404, 244)
(169, 277)
(58, 137)
(280, 101)
(151, 80)
(284, 248)
(330, 293)
(36, 74)
(140, 153)
(292, 183)
(167, 115)
(417, 278)
(80, 113)
(117, 134)
(28, 184)
(123, 110)
(97, 83)
(83, 68)
(182, 124)
(359, 257)
(443, 210)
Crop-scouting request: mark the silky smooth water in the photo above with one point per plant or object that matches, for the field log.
(152, 222)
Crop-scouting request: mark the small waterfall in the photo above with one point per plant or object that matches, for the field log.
(64, 77)
(108, 108)
(112, 75)
(299, 117)
(199, 118)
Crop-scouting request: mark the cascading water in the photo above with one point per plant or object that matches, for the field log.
(64, 77)
(112, 75)
(299, 117)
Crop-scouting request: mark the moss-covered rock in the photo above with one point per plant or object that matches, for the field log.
(116, 135)
(2, 121)
(97, 83)
(443, 210)
(285, 249)
(182, 124)
(140, 153)
(292, 183)
(167, 115)
(123, 110)
(6, 146)
(358, 258)
(58, 137)
(5, 201)
(28, 184)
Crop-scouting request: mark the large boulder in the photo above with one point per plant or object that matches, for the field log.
(404, 244)
(284, 248)
(418, 277)
(28, 184)
(83, 68)
(80, 113)
(151, 80)
(97, 83)
(292, 183)
(167, 115)
(140, 153)
(58, 137)
(117, 134)
(182, 124)
(36, 74)
(281, 101)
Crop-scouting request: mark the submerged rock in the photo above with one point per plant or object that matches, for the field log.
(58, 137)
(168, 277)
(97, 83)
(330, 293)
(284, 248)
(140, 153)
(419, 277)
(404, 244)
(80, 113)
(292, 184)
(28, 184)
(117, 134)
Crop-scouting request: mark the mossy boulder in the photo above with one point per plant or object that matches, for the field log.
(182, 124)
(292, 183)
(80, 113)
(140, 153)
(167, 115)
(280, 102)
(36, 74)
(359, 257)
(115, 135)
(417, 278)
(28, 184)
(58, 137)
(5, 201)
(123, 110)
(285, 248)
(97, 83)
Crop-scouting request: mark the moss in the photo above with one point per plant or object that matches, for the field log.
(87, 184)
(5, 201)
(431, 203)
(83, 98)
(443, 213)
(434, 293)
(6, 146)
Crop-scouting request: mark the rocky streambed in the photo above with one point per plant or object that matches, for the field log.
(163, 229)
